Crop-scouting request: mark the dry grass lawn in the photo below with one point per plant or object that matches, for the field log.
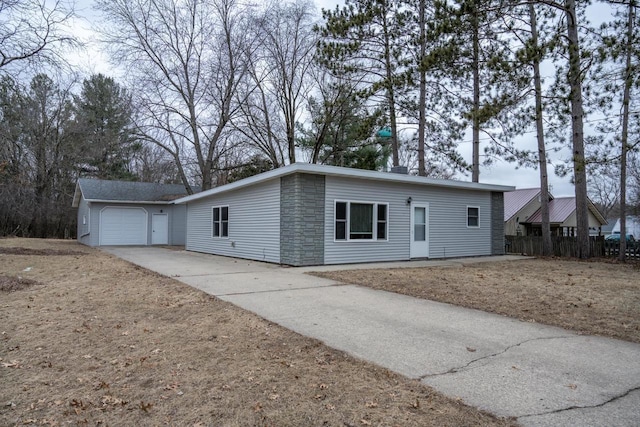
(88, 339)
(591, 297)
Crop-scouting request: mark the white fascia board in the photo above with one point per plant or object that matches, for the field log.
(347, 173)
(256, 179)
(594, 210)
(396, 177)
(77, 195)
(130, 202)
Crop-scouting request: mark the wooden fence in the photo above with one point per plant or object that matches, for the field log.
(612, 249)
(568, 246)
(562, 246)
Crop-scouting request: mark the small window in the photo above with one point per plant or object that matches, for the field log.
(382, 222)
(473, 217)
(341, 221)
(360, 221)
(221, 221)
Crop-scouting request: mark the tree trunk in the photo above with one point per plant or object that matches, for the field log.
(291, 137)
(181, 172)
(577, 127)
(625, 133)
(547, 245)
(391, 95)
(423, 90)
(475, 173)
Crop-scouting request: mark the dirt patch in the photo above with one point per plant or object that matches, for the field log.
(44, 246)
(109, 343)
(14, 283)
(44, 252)
(597, 297)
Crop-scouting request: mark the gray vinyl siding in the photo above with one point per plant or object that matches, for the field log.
(358, 190)
(178, 225)
(449, 235)
(254, 223)
(176, 213)
(83, 229)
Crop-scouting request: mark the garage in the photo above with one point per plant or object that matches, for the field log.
(123, 226)
(115, 213)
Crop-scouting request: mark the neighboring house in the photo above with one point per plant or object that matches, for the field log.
(632, 226)
(129, 213)
(519, 205)
(305, 214)
(608, 228)
(523, 214)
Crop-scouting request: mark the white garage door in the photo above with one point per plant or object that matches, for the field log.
(123, 226)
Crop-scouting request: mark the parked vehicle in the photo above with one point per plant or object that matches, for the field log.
(615, 239)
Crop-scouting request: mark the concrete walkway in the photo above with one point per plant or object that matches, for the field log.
(542, 375)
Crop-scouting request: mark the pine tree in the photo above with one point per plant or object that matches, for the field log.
(341, 130)
(621, 51)
(428, 100)
(103, 119)
(365, 42)
(479, 65)
(536, 41)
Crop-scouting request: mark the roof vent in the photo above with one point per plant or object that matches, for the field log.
(403, 170)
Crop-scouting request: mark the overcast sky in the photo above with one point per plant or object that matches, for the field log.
(92, 61)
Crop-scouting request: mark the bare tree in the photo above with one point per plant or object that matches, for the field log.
(290, 46)
(37, 157)
(281, 69)
(32, 32)
(604, 188)
(153, 164)
(186, 60)
(260, 122)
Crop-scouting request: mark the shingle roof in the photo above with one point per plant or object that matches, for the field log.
(518, 199)
(127, 191)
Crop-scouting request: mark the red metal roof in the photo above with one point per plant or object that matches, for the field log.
(518, 199)
(559, 210)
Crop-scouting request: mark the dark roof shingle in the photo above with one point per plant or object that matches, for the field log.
(129, 191)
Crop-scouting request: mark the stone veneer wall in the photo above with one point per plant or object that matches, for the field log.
(302, 219)
(497, 223)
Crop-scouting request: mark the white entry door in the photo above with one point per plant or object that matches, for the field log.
(419, 230)
(159, 229)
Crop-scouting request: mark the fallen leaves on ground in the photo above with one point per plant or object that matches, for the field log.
(596, 297)
(108, 343)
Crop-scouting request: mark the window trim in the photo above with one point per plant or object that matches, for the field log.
(473, 207)
(213, 228)
(348, 221)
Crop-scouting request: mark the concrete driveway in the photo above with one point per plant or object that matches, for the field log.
(542, 375)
